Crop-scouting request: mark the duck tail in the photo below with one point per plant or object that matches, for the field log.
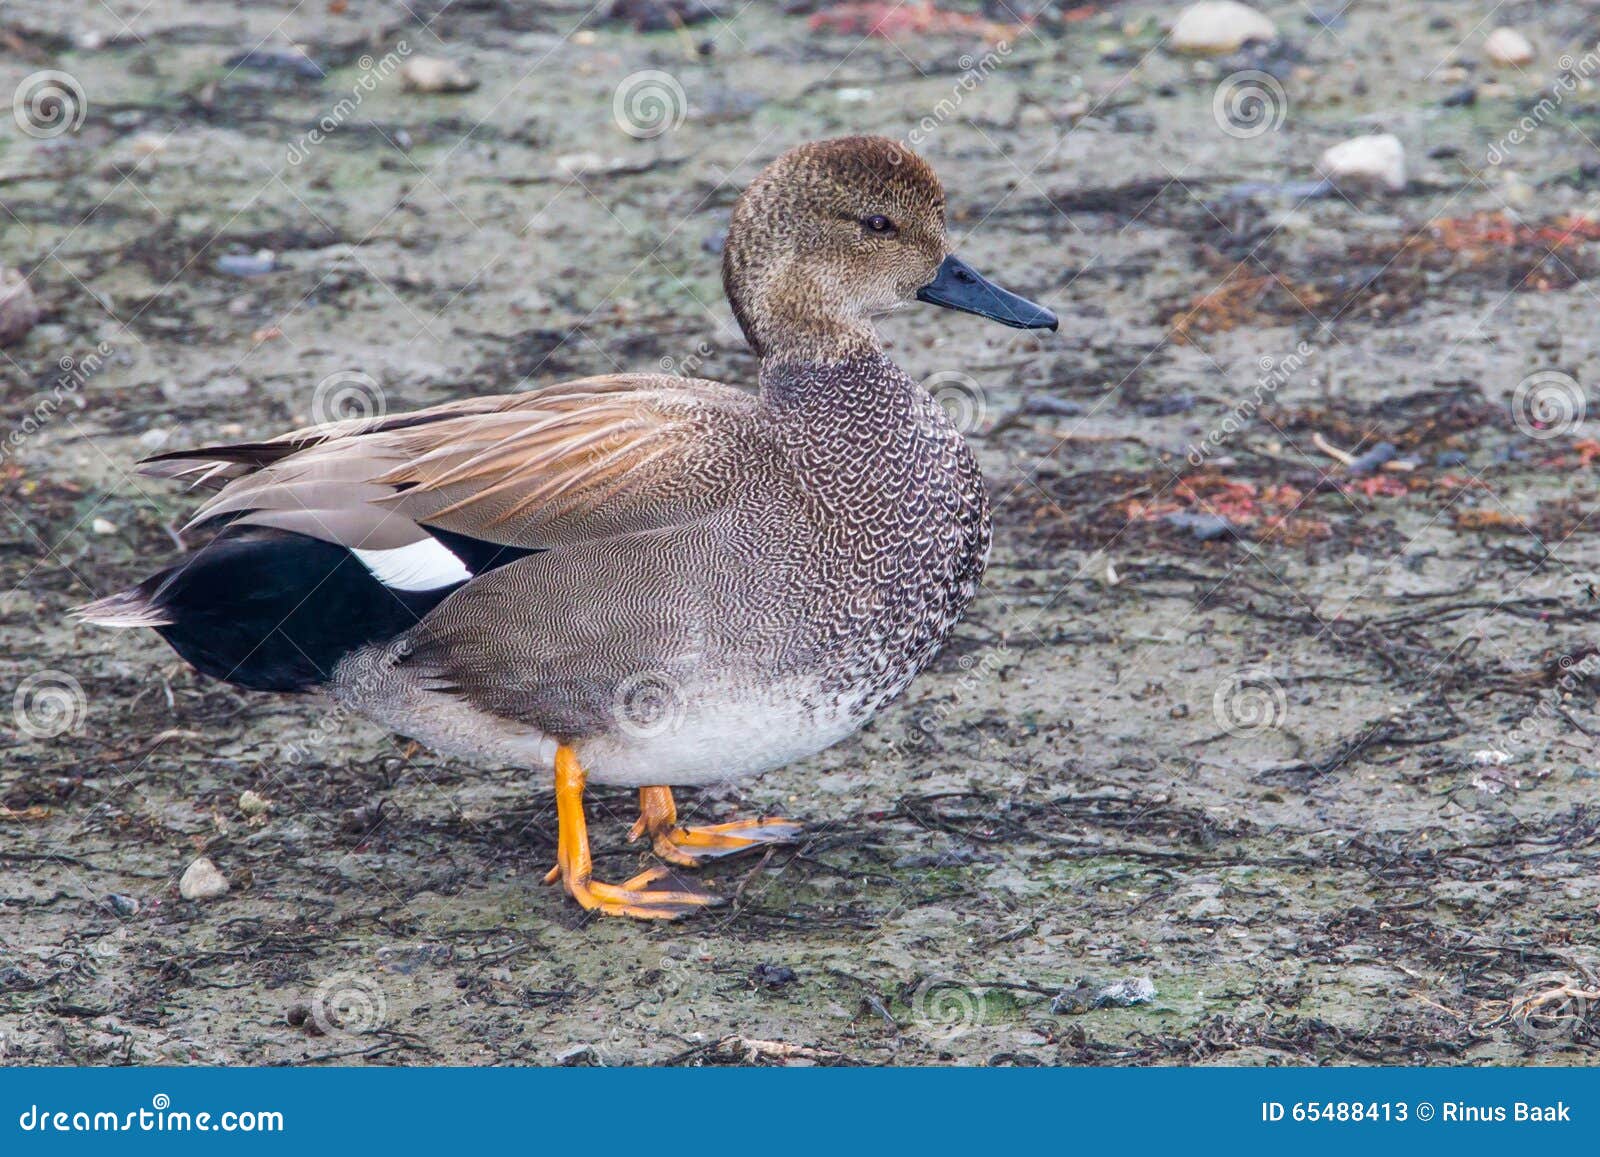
(266, 609)
(138, 606)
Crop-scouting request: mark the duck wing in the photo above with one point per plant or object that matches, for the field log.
(585, 459)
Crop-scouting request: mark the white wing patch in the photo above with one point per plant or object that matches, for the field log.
(419, 566)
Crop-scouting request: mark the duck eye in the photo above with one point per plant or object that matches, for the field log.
(879, 224)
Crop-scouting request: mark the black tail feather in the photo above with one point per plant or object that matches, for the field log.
(268, 610)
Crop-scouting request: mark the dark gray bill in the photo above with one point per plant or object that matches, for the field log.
(958, 286)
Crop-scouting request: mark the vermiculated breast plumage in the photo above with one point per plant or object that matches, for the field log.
(904, 520)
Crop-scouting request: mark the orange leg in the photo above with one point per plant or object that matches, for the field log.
(686, 847)
(575, 869)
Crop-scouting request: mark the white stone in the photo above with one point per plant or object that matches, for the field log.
(202, 880)
(148, 144)
(19, 312)
(1374, 161)
(1213, 27)
(103, 526)
(1508, 46)
(435, 74)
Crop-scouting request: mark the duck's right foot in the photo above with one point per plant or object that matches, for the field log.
(574, 868)
(635, 897)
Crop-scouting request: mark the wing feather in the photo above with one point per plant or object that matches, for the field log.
(579, 460)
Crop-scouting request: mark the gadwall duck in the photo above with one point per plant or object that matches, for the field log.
(635, 579)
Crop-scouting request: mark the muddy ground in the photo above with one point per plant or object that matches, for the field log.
(1307, 745)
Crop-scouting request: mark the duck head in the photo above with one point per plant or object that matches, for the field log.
(835, 233)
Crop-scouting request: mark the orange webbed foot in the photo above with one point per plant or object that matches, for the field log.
(688, 847)
(638, 897)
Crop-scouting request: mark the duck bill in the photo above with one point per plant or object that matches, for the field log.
(959, 286)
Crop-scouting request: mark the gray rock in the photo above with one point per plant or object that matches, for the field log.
(1125, 993)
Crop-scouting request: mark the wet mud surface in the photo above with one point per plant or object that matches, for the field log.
(1281, 694)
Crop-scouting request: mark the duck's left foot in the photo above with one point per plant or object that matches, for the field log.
(686, 847)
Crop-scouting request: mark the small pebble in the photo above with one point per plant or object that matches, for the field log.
(1377, 161)
(577, 164)
(122, 905)
(1215, 27)
(247, 264)
(435, 74)
(1125, 993)
(1374, 458)
(1101, 568)
(1205, 527)
(252, 804)
(361, 820)
(202, 880)
(19, 312)
(147, 145)
(1508, 46)
(103, 526)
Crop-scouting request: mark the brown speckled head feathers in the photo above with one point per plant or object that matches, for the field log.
(830, 235)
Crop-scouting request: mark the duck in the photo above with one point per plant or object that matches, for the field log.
(637, 579)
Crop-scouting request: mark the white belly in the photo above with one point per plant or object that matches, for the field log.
(706, 738)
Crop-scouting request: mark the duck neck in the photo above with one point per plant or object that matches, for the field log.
(816, 341)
